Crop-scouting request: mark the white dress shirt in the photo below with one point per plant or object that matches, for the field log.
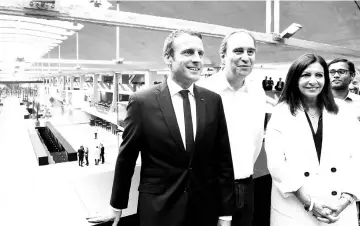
(245, 114)
(177, 102)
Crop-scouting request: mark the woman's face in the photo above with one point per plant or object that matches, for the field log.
(311, 81)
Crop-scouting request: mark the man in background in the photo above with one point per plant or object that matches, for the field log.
(279, 85)
(342, 73)
(354, 85)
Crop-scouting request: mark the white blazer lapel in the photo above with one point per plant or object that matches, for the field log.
(331, 148)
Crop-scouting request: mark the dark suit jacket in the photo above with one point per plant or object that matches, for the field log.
(81, 153)
(176, 187)
(279, 85)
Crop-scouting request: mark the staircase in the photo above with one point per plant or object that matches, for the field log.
(54, 147)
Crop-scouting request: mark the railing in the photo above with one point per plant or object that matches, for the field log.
(103, 107)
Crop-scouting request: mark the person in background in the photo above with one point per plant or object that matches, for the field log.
(97, 155)
(102, 153)
(314, 167)
(81, 155)
(96, 131)
(270, 84)
(244, 105)
(344, 79)
(355, 84)
(87, 155)
(264, 83)
(279, 85)
(342, 73)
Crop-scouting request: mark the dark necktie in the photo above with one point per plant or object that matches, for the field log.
(189, 132)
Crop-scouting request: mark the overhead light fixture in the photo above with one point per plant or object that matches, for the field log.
(288, 32)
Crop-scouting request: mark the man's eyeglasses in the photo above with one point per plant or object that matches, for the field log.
(340, 72)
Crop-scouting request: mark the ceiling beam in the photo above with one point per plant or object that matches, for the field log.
(34, 20)
(20, 81)
(127, 19)
(75, 62)
(42, 29)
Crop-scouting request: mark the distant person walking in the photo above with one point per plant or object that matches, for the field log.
(97, 155)
(87, 155)
(81, 155)
(280, 85)
(102, 153)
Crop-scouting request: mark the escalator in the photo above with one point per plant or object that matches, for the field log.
(56, 150)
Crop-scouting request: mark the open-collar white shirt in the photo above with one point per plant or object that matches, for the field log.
(245, 114)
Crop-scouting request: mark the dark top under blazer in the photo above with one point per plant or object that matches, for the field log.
(176, 187)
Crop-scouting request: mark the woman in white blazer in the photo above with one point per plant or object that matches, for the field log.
(311, 153)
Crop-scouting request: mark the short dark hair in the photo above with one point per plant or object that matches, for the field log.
(168, 49)
(291, 93)
(350, 64)
(224, 42)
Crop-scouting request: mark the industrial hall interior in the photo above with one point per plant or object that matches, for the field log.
(70, 68)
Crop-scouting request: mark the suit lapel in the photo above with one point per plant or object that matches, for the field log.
(200, 113)
(329, 136)
(167, 110)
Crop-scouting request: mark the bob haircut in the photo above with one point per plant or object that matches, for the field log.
(291, 93)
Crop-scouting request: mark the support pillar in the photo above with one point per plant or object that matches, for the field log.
(64, 83)
(72, 82)
(95, 97)
(115, 90)
(82, 80)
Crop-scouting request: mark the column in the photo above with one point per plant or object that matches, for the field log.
(64, 83)
(95, 97)
(115, 90)
(153, 78)
(72, 82)
(82, 80)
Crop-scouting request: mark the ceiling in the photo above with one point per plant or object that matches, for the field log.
(331, 22)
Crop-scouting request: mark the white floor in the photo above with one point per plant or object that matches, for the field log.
(58, 194)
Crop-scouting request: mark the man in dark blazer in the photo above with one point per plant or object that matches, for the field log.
(279, 85)
(180, 131)
(102, 153)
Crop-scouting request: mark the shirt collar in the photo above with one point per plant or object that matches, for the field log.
(351, 97)
(223, 84)
(174, 88)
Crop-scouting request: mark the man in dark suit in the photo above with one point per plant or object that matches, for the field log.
(279, 85)
(264, 83)
(81, 152)
(180, 129)
(102, 153)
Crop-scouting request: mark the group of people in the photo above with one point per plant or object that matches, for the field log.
(268, 84)
(199, 142)
(99, 155)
